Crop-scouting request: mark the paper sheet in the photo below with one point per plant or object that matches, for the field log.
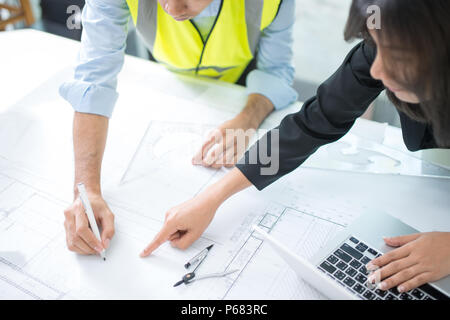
(33, 249)
(304, 210)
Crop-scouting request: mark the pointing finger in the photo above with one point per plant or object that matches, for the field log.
(166, 232)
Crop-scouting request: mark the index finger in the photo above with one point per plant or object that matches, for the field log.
(166, 232)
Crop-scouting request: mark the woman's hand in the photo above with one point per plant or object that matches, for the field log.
(420, 258)
(185, 223)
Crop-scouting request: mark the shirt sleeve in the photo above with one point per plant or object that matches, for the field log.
(101, 57)
(325, 118)
(274, 73)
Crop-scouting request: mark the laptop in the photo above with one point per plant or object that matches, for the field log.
(338, 269)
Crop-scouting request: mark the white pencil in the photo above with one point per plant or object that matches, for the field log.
(90, 214)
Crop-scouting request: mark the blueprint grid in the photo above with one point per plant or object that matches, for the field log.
(303, 210)
(35, 263)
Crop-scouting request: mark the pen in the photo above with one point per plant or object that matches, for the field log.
(90, 214)
(198, 257)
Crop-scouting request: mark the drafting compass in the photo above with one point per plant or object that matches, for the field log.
(198, 259)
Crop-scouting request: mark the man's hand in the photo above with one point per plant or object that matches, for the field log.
(89, 139)
(420, 258)
(79, 236)
(225, 145)
(228, 143)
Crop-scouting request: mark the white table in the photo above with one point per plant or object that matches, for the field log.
(36, 141)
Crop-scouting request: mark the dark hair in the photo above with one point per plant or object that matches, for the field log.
(421, 30)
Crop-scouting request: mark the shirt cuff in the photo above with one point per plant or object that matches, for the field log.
(87, 97)
(275, 89)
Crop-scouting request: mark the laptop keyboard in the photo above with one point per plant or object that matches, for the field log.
(346, 265)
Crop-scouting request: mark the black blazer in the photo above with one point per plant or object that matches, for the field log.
(328, 116)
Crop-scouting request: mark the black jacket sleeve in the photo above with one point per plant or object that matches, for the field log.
(323, 119)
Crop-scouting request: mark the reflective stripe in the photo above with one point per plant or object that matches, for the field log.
(147, 21)
(253, 16)
(200, 68)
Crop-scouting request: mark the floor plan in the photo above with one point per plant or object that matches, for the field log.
(35, 263)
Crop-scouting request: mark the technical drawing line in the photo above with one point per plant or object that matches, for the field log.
(254, 252)
(207, 182)
(121, 182)
(40, 192)
(11, 283)
(241, 269)
(317, 217)
(20, 270)
(30, 260)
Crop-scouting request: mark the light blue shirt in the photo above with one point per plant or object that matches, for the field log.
(101, 57)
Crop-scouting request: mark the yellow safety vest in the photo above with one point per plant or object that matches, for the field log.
(231, 45)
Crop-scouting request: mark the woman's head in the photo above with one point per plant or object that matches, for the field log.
(413, 56)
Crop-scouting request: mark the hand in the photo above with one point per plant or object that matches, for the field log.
(226, 144)
(79, 236)
(185, 223)
(420, 258)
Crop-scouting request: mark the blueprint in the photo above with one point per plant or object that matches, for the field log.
(35, 262)
(303, 210)
(165, 154)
